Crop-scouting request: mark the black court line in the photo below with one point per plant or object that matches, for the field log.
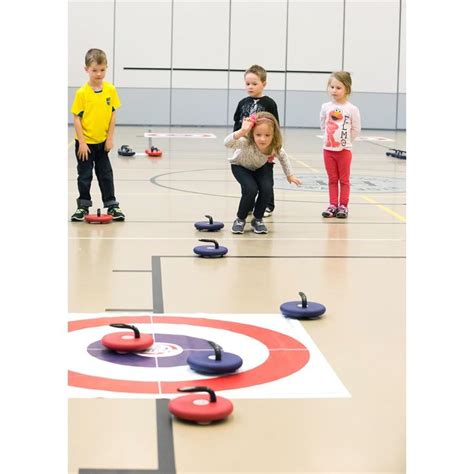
(141, 310)
(154, 180)
(338, 222)
(157, 285)
(160, 296)
(165, 448)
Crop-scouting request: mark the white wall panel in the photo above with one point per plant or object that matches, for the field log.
(91, 25)
(201, 34)
(402, 86)
(200, 80)
(258, 34)
(142, 39)
(307, 82)
(371, 44)
(275, 81)
(315, 35)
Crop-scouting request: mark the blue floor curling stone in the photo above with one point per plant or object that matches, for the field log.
(219, 362)
(210, 251)
(210, 225)
(303, 309)
(125, 150)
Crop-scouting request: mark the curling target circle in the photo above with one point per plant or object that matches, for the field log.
(286, 356)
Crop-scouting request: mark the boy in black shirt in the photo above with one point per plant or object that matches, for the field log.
(255, 81)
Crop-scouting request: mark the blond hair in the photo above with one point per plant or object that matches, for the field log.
(95, 55)
(268, 118)
(258, 71)
(344, 77)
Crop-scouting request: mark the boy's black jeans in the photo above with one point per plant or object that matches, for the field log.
(98, 158)
(252, 183)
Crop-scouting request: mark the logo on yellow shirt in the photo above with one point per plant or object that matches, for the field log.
(107, 100)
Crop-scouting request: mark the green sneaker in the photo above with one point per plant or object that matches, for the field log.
(116, 213)
(79, 215)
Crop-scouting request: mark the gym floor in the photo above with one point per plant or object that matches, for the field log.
(355, 267)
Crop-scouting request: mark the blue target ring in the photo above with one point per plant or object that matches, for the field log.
(169, 350)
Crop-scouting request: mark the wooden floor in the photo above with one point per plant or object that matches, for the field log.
(355, 267)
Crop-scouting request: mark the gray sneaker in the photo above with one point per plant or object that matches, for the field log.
(238, 226)
(258, 226)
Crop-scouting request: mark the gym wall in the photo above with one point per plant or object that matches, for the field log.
(177, 62)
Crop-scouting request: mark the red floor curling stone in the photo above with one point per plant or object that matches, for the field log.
(219, 362)
(98, 218)
(125, 150)
(125, 341)
(153, 151)
(210, 251)
(200, 408)
(210, 225)
(302, 309)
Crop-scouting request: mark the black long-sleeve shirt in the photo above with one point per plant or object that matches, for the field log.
(250, 105)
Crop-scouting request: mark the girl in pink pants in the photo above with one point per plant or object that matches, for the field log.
(340, 122)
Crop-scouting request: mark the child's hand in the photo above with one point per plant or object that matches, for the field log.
(247, 124)
(108, 144)
(83, 152)
(292, 179)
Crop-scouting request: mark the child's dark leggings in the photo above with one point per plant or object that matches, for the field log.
(98, 158)
(252, 183)
(271, 201)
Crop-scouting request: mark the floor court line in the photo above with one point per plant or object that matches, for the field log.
(230, 239)
(307, 257)
(338, 222)
(302, 163)
(165, 446)
(384, 208)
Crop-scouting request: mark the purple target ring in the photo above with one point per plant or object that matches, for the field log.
(169, 350)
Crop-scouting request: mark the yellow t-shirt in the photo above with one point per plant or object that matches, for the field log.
(96, 109)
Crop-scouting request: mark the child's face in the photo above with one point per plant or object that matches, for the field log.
(254, 85)
(337, 90)
(263, 136)
(96, 73)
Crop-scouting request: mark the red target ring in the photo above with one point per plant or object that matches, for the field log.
(286, 356)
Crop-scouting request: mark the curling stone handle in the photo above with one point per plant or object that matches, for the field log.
(217, 350)
(216, 245)
(136, 332)
(304, 301)
(212, 394)
(211, 220)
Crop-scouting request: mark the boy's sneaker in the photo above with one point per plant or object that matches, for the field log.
(79, 215)
(116, 213)
(268, 212)
(342, 212)
(238, 226)
(258, 226)
(331, 211)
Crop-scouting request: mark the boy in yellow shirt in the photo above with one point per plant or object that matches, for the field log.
(94, 109)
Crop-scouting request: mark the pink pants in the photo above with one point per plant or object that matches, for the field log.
(338, 167)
